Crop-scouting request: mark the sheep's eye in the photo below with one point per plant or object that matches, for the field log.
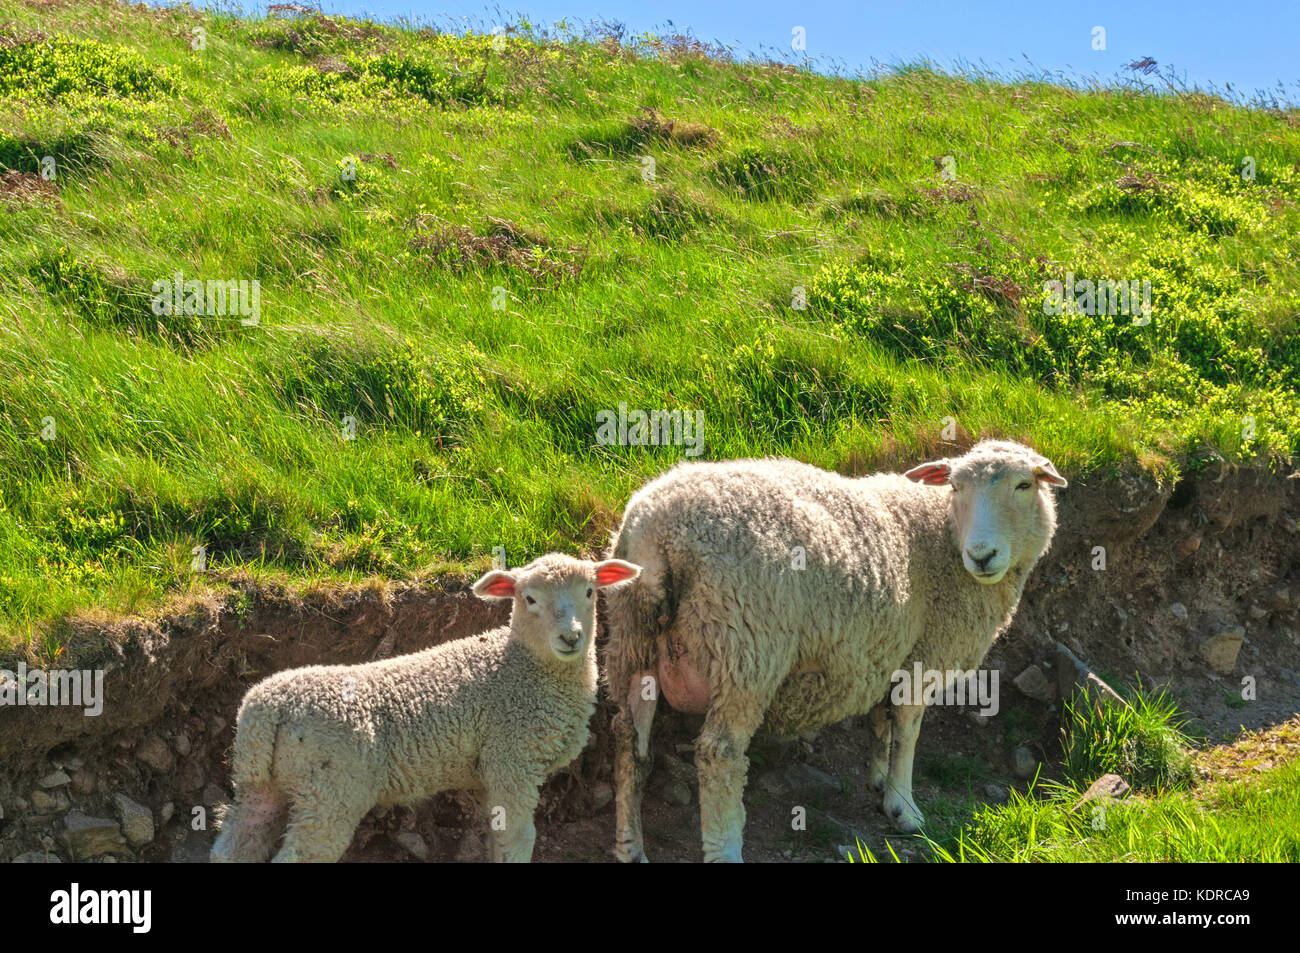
(530, 600)
(590, 591)
(1024, 486)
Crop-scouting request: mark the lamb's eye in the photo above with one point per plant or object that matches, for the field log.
(590, 591)
(530, 600)
(1024, 486)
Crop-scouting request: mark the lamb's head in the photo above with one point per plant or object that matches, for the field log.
(554, 611)
(1003, 513)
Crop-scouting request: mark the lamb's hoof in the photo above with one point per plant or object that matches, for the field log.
(727, 855)
(905, 815)
(630, 856)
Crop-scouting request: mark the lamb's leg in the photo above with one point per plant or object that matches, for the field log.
(899, 805)
(250, 827)
(510, 798)
(722, 763)
(321, 827)
(878, 750)
(632, 764)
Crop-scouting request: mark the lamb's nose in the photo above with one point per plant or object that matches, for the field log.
(570, 638)
(982, 562)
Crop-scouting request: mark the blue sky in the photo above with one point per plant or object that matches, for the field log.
(1245, 46)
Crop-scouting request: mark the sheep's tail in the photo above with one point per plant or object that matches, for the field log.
(635, 614)
(255, 736)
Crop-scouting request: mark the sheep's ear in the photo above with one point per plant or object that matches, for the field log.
(935, 473)
(613, 571)
(1045, 472)
(498, 584)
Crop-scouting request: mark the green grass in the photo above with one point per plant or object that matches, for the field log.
(460, 247)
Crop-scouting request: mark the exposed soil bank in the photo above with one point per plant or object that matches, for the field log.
(1183, 565)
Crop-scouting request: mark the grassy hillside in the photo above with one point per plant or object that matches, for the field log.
(467, 249)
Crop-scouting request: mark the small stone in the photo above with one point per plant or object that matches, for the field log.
(55, 779)
(602, 793)
(677, 793)
(36, 857)
(182, 743)
(47, 803)
(413, 844)
(1221, 649)
(1258, 612)
(137, 820)
(84, 781)
(75, 764)
(91, 836)
(154, 752)
(213, 795)
(1179, 610)
(1025, 763)
(1108, 787)
(1278, 599)
(1187, 546)
(191, 777)
(995, 793)
(799, 779)
(1033, 683)
(1289, 524)
(166, 813)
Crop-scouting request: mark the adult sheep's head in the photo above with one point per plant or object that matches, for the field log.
(1003, 511)
(554, 599)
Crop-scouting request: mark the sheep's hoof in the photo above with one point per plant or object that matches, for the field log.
(905, 815)
(630, 857)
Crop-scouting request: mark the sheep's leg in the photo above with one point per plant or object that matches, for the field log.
(878, 750)
(321, 827)
(899, 805)
(722, 763)
(250, 827)
(511, 802)
(632, 764)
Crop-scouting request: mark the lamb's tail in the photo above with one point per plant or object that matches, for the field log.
(636, 613)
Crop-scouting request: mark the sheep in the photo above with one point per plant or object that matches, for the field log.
(499, 712)
(780, 595)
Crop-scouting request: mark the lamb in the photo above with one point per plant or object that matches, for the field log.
(499, 712)
(780, 595)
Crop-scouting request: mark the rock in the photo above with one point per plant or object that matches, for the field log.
(85, 781)
(182, 743)
(1278, 598)
(154, 752)
(1033, 683)
(679, 770)
(996, 793)
(842, 832)
(212, 796)
(75, 764)
(1178, 609)
(1258, 612)
(1289, 524)
(47, 803)
(1072, 674)
(91, 836)
(166, 813)
(55, 779)
(1108, 787)
(471, 849)
(1025, 763)
(137, 820)
(191, 777)
(799, 780)
(36, 857)
(602, 793)
(1187, 546)
(413, 844)
(193, 850)
(677, 793)
(1221, 649)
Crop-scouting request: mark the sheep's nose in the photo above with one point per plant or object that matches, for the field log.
(982, 562)
(570, 638)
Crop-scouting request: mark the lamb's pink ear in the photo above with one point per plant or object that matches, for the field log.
(935, 473)
(1047, 473)
(614, 571)
(498, 584)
